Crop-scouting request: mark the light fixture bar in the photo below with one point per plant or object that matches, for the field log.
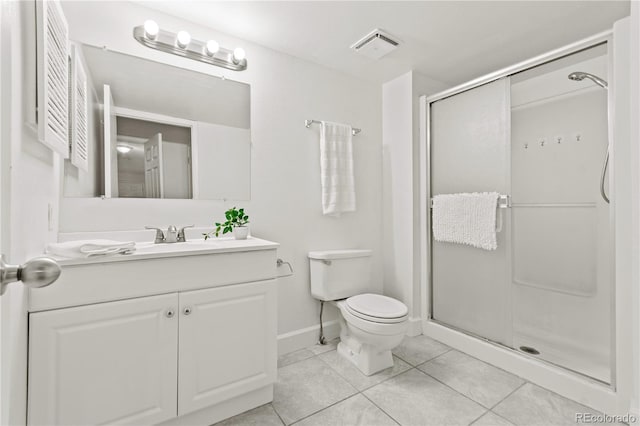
(165, 41)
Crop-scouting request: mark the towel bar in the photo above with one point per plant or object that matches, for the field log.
(504, 202)
(308, 123)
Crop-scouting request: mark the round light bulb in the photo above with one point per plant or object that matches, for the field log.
(123, 149)
(151, 29)
(212, 47)
(183, 38)
(239, 54)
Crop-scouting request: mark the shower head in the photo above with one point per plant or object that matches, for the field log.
(579, 76)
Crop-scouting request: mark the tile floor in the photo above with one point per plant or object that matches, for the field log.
(429, 384)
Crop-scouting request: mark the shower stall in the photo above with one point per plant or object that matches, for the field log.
(540, 137)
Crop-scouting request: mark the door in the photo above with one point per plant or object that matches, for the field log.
(105, 363)
(470, 153)
(153, 167)
(110, 145)
(227, 343)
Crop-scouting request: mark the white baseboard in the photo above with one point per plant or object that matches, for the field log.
(305, 337)
(415, 327)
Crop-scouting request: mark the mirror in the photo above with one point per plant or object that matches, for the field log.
(157, 131)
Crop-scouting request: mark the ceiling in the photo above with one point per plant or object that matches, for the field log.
(449, 41)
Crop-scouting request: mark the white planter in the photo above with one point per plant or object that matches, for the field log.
(241, 232)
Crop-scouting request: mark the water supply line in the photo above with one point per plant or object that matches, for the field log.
(321, 338)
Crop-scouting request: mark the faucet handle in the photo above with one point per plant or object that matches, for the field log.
(181, 235)
(159, 234)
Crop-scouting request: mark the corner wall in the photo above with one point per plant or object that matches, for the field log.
(401, 188)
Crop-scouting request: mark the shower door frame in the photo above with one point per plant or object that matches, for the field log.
(609, 398)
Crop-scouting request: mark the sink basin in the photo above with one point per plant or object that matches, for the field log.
(146, 248)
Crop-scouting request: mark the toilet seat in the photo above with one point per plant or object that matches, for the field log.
(377, 308)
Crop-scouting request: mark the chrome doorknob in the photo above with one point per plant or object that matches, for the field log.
(35, 273)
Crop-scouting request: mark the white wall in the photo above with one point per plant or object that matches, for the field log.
(176, 170)
(401, 186)
(33, 182)
(220, 152)
(285, 178)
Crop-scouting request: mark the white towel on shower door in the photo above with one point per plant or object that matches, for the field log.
(466, 219)
(336, 169)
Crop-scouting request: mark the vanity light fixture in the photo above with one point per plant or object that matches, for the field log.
(181, 44)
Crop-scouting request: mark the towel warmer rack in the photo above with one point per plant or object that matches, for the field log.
(308, 123)
(504, 202)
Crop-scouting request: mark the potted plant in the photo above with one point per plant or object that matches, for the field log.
(236, 222)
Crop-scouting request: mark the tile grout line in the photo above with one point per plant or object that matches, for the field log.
(479, 417)
(322, 409)
(502, 417)
(358, 391)
(510, 393)
(424, 362)
(277, 414)
(361, 392)
(456, 391)
(380, 408)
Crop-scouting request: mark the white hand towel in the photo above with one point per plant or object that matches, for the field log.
(90, 248)
(466, 219)
(336, 169)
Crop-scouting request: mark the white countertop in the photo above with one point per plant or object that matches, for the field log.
(149, 250)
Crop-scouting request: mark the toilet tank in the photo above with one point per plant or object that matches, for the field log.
(338, 274)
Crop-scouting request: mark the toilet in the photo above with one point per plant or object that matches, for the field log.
(371, 325)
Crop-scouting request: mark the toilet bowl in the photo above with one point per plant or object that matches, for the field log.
(371, 325)
(367, 338)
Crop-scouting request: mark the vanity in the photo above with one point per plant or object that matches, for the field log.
(173, 334)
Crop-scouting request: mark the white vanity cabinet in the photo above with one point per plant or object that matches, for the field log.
(200, 353)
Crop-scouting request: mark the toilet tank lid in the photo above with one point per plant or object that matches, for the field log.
(338, 254)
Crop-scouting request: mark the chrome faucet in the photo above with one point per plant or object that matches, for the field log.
(172, 235)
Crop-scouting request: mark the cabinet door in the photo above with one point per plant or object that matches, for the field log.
(108, 363)
(227, 343)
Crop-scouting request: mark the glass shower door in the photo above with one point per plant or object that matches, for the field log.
(539, 136)
(470, 153)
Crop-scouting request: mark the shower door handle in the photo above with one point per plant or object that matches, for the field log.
(504, 202)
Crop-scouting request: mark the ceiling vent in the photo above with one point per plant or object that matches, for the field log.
(376, 44)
